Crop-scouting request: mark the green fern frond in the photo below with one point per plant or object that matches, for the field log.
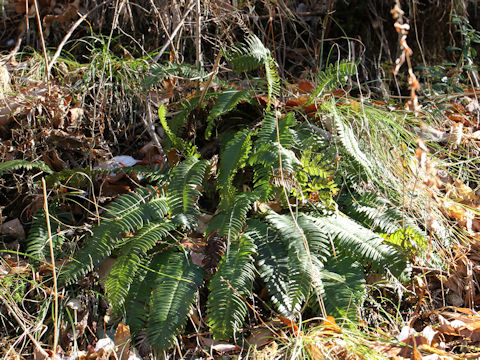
(128, 213)
(267, 152)
(363, 245)
(292, 234)
(409, 239)
(376, 212)
(275, 269)
(333, 76)
(226, 102)
(138, 298)
(249, 56)
(268, 131)
(234, 157)
(182, 190)
(162, 71)
(14, 165)
(230, 287)
(177, 142)
(299, 258)
(316, 176)
(186, 108)
(124, 270)
(174, 292)
(155, 173)
(344, 288)
(273, 80)
(349, 142)
(38, 240)
(232, 212)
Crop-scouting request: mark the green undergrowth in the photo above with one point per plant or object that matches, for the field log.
(304, 208)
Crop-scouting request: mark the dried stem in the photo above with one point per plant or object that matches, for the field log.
(54, 272)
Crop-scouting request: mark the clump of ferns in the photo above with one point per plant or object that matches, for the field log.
(154, 277)
(315, 257)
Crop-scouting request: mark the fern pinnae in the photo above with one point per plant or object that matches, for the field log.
(249, 56)
(229, 288)
(273, 266)
(14, 165)
(273, 80)
(361, 243)
(232, 212)
(173, 295)
(126, 214)
(124, 270)
(333, 76)
(182, 190)
(234, 157)
(350, 143)
(344, 287)
(298, 256)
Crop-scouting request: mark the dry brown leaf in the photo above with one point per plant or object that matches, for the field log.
(122, 341)
(64, 19)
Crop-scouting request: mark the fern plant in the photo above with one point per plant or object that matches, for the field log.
(137, 226)
(302, 252)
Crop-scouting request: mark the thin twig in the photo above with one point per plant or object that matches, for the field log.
(42, 39)
(54, 272)
(212, 75)
(15, 313)
(175, 31)
(172, 45)
(70, 32)
(14, 51)
(198, 35)
(148, 121)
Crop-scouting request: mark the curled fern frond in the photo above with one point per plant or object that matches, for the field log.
(14, 165)
(174, 291)
(230, 287)
(183, 192)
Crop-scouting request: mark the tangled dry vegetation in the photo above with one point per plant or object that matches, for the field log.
(216, 179)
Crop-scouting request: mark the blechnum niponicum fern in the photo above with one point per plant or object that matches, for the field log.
(319, 254)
